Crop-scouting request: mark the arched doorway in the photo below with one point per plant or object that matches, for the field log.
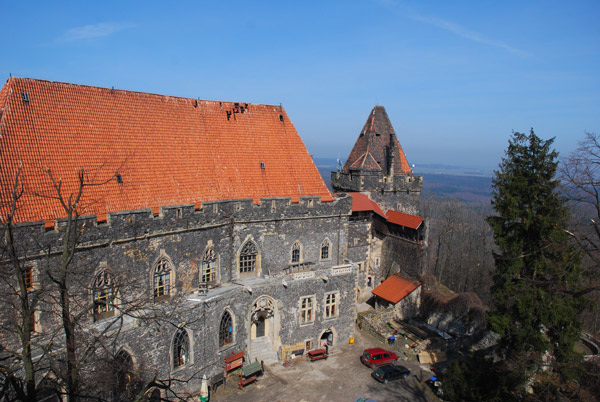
(264, 330)
(326, 340)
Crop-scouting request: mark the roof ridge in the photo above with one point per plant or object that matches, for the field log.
(71, 84)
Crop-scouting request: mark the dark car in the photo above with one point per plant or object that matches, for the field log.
(375, 357)
(389, 373)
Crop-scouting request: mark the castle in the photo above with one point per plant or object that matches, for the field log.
(205, 229)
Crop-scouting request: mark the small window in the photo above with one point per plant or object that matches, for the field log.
(226, 330)
(103, 295)
(306, 310)
(162, 279)
(28, 278)
(325, 250)
(331, 305)
(248, 257)
(308, 345)
(181, 348)
(209, 267)
(296, 253)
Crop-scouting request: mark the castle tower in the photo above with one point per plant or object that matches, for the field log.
(377, 166)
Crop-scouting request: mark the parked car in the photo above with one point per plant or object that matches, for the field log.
(390, 372)
(375, 357)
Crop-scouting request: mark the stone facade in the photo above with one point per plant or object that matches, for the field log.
(130, 245)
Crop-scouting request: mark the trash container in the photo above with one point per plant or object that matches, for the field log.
(391, 340)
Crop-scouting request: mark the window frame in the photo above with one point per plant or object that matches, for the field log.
(104, 295)
(331, 301)
(310, 309)
(162, 279)
(226, 341)
(181, 349)
(248, 258)
(296, 253)
(208, 266)
(325, 245)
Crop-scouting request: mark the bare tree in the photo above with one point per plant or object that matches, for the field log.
(581, 185)
(16, 277)
(77, 357)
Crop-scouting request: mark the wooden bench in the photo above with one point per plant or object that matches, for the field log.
(219, 379)
(249, 373)
(317, 354)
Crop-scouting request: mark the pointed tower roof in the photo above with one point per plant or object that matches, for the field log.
(376, 137)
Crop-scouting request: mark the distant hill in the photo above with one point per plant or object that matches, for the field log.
(476, 189)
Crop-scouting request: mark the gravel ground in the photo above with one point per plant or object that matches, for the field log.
(341, 377)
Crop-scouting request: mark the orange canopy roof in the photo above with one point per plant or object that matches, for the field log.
(361, 202)
(166, 150)
(400, 218)
(395, 288)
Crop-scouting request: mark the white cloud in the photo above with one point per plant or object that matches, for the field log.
(452, 28)
(93, 31)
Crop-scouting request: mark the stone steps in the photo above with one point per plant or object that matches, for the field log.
(260, 349)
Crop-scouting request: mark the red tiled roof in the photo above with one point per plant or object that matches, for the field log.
(395, 288)
(168, 150)
(375, 139)
(361, 202)
(400, 218)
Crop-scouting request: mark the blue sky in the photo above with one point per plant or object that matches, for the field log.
(455, 77)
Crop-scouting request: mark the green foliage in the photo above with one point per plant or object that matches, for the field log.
(537, 269)
(478, 379)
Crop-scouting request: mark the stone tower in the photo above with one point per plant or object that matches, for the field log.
(378, 167)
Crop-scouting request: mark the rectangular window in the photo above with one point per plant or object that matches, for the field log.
(28, 278)
(162, 285)
(209, 271)
(331, 305)
(308, 345)
(306, 310)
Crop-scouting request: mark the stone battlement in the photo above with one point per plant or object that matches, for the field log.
(375, 181)
(143, 223)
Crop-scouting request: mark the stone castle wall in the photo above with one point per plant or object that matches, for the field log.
(130, 243)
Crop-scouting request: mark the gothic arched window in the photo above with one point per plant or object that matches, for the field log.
(248, 257)
(225, 329)
(123, 371)
(162, 278)
(296, 253)
(325, 249)
(209, 267)
(181, 348)
(103, 294)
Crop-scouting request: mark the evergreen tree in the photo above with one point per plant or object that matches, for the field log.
(535, 293)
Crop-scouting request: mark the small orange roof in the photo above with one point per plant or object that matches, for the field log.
(400, 218)
(361, 202)
(395, 288)
(166, 150)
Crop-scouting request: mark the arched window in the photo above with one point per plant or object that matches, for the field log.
(181, 348)
(296, 253)
(162, 279)
(325, 249)
(123, 371)
(103, 293)
(209, 267)
(225, 329)
(248, 256)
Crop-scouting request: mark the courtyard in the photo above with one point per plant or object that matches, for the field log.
(341, 377)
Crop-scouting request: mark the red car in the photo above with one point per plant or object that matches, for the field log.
(375, 357)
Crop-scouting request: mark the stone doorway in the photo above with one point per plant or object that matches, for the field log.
(326, 340)
(264, 330)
